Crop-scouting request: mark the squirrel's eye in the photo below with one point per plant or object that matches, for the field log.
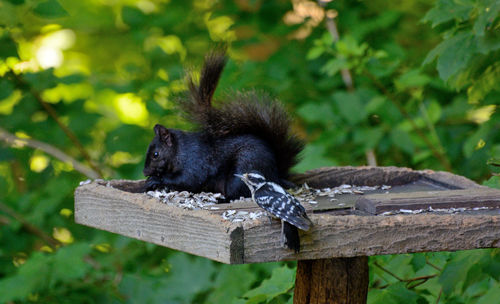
(156, 154)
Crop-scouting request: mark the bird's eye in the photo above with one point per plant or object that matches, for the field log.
(155, 155)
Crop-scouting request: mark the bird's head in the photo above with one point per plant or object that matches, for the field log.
(253, 180)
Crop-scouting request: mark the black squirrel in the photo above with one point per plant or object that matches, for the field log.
(248, 133)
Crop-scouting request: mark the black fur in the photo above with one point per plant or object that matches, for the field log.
(248, 133)
(196, 163)
(241, 113)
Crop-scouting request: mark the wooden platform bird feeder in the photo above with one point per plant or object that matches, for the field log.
(360, 212)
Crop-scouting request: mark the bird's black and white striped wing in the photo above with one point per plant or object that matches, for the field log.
(274, 199)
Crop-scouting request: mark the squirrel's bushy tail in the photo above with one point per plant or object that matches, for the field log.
(242, 113)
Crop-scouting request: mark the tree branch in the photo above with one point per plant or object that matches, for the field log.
(50, 110)
(439, 295)
(33, 229)
(12, 139)
(432, 265)
(420, 280)
(389, 272)
(331, 26)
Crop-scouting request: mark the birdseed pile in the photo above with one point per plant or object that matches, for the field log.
(188, 200)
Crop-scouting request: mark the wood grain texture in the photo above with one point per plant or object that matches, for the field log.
(463, 198)
(336, 281)
(142, 217)
(353, 235)
(205, 233)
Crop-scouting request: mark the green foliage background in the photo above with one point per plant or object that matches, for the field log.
(425, 95)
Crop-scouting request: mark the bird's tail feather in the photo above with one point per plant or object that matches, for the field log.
(290, 236)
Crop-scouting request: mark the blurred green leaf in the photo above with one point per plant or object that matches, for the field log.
(6, 88)
(231, 282)
(28, 279)
(179, 285)
(474, 275)
(320, 112)
(181, 282)
(493, 182)
(411, 79)
(16, 2)
(418, 261)
(333, 66)
(350, 107)
(45, 270)
(491, 296)
(69, 263)
(402, 140)
(368, 138)
(433, 112)
(485, 83)
(313, 157)
(315, 52)
(456, 54)
(281, 281)
(374, 105)
(455, 271)
(494, 162)
(41, 81)
(133, 16)
(395, 294)
(446, 10)
(489, 10)
(472, 143)
(50, 9)
(9, 48)
(118, 139)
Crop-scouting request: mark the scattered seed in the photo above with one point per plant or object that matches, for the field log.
(85, 182)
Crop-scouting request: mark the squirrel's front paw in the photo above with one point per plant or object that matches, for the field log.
(152, 184)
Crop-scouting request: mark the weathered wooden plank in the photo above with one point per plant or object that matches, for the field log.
(353, 235)
(449, 180)
(142, 217)
(466, 198)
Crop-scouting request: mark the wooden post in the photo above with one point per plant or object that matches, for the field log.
(337, 280)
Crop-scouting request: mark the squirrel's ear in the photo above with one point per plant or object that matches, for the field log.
(163, 134)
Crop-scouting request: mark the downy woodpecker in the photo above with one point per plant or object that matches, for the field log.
(281, 204)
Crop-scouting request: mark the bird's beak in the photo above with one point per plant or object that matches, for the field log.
(240, 176)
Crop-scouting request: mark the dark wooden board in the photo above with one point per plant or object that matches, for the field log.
(350, 202)
(372, 176)
(469, 199)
